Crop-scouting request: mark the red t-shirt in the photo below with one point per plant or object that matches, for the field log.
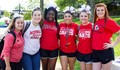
(103, 32)
(49, 39)
(84, 34)
(68, 36)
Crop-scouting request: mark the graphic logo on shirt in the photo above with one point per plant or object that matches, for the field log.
(96, 27)
(46, 26)
(36, 34)
(83, 33)
(65, 31)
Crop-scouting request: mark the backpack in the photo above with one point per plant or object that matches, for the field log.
(2, 41)
(26, 27)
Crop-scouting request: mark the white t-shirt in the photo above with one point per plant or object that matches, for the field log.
(32, 39)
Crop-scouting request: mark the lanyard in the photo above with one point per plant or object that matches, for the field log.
(67, 34)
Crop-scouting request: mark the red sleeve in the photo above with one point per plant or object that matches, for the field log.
(112, 26)
(9, 39)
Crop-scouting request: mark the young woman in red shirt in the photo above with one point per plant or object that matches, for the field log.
(104, 28)
(68, 32)
(49, 39)
(84, 49)
(12, 52)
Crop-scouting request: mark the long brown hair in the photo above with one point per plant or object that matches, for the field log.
(38, 9)
(11, 25)
(106, 16)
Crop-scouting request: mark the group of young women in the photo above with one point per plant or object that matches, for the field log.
(46, 39)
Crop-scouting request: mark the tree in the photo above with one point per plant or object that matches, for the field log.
(27, 16)
(63, 3)
(42, 4)
(33, 4)
(6, 14)
(19, 6)
(92, 5)
(103, 1)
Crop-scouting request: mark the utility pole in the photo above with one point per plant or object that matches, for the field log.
(42, 6)
(19, 9)
(92, 5)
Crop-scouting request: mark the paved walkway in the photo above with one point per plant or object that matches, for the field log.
(58, 66)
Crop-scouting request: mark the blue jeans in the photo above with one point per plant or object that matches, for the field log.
(31, 62)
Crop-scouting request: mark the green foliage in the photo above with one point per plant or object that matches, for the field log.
(63, 3)
(33, 4)
(27, 16)
(103, 1)
(77, 66)
(114, 10)
(77, 20)
(116, 18)
(21, 7)
(6, 14)
(117, 48)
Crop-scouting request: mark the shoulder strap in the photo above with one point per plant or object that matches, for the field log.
(14, 35)
(26, 27)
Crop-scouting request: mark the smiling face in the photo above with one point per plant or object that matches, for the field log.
(84, 17)
(67, 18)
(50, 15)
(36, 16)
(100, 11)
(19, 23)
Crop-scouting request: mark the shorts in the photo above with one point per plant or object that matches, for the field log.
(87, 58)
(103, 56)
(67, 54)
(48, 53)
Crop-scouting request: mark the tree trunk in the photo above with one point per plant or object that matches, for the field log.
(42, 6)
(92, 5)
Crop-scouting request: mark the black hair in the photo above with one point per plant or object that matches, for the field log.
(68, 12)
(85, 12)
(54, 10)
(38, 9)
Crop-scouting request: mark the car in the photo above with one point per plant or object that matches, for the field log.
(3, 29)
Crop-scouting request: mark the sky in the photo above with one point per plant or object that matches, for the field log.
(9, 5)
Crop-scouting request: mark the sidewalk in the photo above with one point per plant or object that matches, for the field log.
(58, 66)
